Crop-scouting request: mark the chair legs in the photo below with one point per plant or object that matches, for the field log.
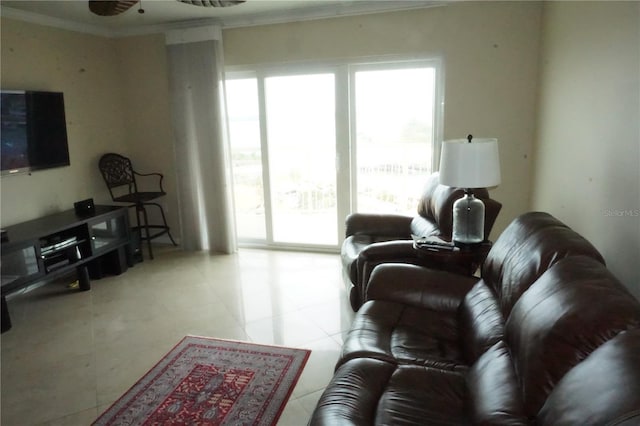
(148, 236)
(140, 209)
(164, 220)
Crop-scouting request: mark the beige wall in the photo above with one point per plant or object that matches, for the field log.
(117, 96)
(490, 53)
(145, 88)
(116, 99)
(84, 68)
(588, 146)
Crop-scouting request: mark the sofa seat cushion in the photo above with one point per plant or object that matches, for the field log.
(369, 391)
(423, 395)
(403, 334)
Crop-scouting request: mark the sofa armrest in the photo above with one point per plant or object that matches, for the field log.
(388, 250)
(388, 225)
(396, 251)
(403, 251)
(418, 286)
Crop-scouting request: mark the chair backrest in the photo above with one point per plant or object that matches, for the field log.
(117, 171)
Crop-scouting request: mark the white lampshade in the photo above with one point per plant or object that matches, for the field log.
(474, 164)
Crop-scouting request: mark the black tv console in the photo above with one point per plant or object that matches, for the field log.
(63, 243)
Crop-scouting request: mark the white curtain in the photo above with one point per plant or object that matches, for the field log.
(201, 143)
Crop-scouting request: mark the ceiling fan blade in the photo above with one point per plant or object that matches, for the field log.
(213, 3)
(110, 8)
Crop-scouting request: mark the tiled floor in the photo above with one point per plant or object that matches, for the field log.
(71, 354)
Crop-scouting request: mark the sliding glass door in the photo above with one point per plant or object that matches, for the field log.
(394, 130)
(300, 113)
(247, 160)
(283, 139)
(309, 148)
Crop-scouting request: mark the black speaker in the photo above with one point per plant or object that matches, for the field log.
(85, 207)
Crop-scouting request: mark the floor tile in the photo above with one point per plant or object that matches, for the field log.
(70, 354)
(319, 369)
(85, 417)
(53, 391)
(291, 329)
(310, 400)
(294, 414)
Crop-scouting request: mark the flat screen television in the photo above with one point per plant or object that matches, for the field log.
(33, 131)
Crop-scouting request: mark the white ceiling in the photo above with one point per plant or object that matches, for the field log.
(164, 14)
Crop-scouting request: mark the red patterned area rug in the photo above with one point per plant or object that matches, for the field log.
(204, 381)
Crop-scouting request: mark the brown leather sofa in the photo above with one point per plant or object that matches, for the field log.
(548, 336)
(372, 239)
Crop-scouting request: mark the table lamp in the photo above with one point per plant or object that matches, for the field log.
(469, 163)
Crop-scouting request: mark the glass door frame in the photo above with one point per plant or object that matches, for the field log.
(345, 126)
(438, 112)
(260, 74)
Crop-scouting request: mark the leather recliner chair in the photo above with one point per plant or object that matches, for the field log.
(372, 239)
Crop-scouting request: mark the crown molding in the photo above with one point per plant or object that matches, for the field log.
(333, 11)
(65, 24)
(49, 21)
(279, 17)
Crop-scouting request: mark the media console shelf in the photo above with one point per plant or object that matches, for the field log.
(52, 246)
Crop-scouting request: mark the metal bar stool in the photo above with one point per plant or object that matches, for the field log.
(120, 177)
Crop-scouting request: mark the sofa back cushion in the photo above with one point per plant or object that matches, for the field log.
(530, 245)
(575, 306)
(481, 323)
(494, 397)
(603, 389)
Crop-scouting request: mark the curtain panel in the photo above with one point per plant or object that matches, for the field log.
(201, 142)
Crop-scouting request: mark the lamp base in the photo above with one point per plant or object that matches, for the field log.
(467, 246)
(468, 221)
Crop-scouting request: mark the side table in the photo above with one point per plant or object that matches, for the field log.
(455, 259)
